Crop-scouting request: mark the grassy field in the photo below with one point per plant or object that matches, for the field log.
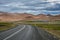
(6, 25)
(51, 27)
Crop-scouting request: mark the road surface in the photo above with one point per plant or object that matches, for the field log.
(26, 32)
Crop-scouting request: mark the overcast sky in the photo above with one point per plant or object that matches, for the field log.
(31, 6)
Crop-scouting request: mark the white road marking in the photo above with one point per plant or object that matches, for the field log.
(14, 33)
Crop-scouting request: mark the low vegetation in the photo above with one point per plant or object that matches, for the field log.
(6, 25)
(51, 27)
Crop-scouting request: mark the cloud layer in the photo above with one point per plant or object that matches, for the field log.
(31, 6)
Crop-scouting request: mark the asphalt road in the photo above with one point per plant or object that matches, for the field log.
(26, 32)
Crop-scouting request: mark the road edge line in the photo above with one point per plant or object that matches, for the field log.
(14, 33)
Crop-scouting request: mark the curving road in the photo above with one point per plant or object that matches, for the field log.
(26, 32)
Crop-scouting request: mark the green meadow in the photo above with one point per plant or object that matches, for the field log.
(6, 25)
(51, 27)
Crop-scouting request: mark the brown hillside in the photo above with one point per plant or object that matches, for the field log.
(4, 16)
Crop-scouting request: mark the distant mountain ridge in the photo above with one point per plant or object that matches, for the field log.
(4, 16)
